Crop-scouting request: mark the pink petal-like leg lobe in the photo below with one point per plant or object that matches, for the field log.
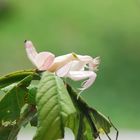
(81, 75)
(41, 60)
(44, 60)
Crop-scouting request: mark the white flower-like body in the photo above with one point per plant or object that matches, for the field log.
(73, 66)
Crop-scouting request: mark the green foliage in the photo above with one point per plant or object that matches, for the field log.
(5, 132)
(85, 131)
(17, 76)
(55, 108)
(10, 106)
(50, 106)
(102, 123)
(89, 117)
(31, 95)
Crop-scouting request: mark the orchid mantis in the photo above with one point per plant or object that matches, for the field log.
(73, 66)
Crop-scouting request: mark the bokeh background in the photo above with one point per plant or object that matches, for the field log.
(106, 28)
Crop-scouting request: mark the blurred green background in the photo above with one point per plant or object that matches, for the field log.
(106, 28)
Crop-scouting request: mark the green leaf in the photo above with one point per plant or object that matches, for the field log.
(101, 122)
(98, 122)
(11, 104)
(17, 76)
(85, 131)
(13, 100)
(83, 108)
(27, 113)
(5, 132)
(55, 109)
(31, 97)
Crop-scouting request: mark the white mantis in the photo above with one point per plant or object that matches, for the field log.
(73, 66)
